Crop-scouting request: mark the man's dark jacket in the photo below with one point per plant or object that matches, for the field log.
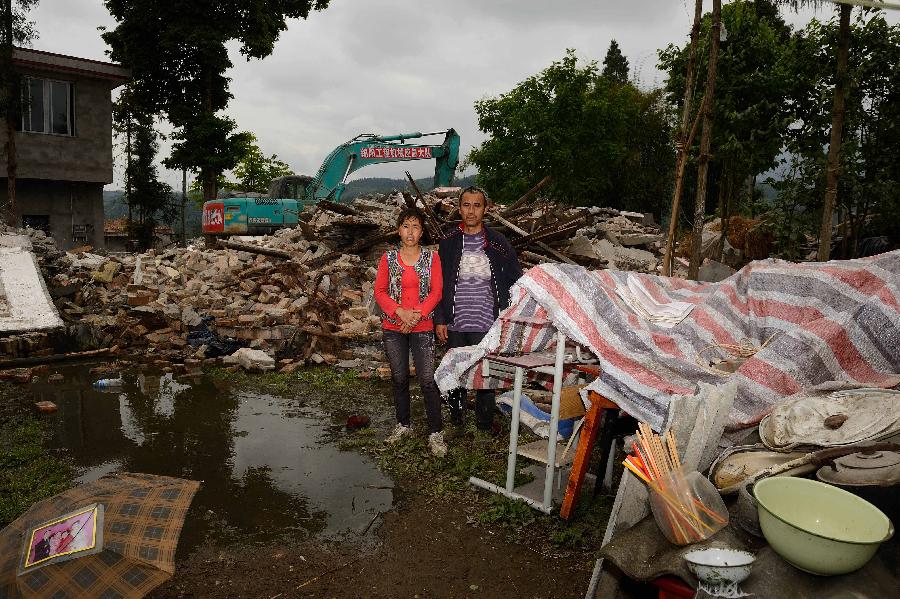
(505, 271)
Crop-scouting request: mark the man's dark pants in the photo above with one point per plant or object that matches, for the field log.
(485, 400)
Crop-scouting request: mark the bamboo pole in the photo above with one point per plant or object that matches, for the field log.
(838, 113)
(705, 142)
(684, 143)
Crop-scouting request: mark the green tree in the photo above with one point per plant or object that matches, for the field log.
(838, 111)
(615, 65)
(149, 200)
(751, 110)
(255, 170)
(177, 50)
(578, 126)
(868, 190)
(15, 28)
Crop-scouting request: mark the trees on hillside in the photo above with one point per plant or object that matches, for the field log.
(177, 51)
(15, 28)
(604, 141)
(777, 95)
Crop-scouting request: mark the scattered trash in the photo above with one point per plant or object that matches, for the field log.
(46, 407)
(115, 383)
(357, 421)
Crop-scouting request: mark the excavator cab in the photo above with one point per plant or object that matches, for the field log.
(291, 187)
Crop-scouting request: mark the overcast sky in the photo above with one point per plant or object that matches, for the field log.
(395, 66)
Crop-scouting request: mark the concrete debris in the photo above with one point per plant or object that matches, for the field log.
(713, 272)
(251, 359)
(304, 293)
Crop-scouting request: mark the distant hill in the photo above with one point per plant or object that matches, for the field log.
(368, 185)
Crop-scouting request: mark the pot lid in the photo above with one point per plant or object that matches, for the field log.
(861, 469)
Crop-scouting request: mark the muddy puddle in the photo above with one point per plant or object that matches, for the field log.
(270, 466)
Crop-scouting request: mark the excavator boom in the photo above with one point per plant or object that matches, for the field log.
(367, 149)
(288, 195)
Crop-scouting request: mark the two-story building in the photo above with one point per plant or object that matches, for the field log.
(63, 144)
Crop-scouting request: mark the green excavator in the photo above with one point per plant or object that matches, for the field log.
(289, 195)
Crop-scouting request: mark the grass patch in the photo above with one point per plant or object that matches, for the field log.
(290, 384)
(28, 472)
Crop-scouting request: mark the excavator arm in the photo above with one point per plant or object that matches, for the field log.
(368, 149)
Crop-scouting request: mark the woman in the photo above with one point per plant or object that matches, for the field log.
(408, 288)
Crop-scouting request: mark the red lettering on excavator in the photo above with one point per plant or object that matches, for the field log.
(213, 217)
(395, 152)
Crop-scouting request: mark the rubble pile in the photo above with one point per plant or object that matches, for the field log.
(304, 294)
(200, 303)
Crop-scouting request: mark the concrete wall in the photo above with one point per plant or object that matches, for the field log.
(66, 203)
(86, 156)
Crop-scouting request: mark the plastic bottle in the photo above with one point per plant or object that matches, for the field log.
(108, 383)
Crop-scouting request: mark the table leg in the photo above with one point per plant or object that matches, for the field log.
(514, 431)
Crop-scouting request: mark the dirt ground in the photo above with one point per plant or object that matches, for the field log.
(427, 550)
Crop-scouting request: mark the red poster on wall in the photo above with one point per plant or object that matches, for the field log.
(213, 217)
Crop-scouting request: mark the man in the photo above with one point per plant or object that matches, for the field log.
(479, 267)
(42, 549)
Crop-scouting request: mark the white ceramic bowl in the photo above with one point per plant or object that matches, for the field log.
(716, 566)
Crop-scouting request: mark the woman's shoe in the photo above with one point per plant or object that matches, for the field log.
(400, 431)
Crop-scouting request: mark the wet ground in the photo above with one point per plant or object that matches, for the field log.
(267, 464)
(282, 510)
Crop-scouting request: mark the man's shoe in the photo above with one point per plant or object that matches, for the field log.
(399, 432)
(436, 445)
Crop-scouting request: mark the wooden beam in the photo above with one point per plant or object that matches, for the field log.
(366, 242)
(527, 195)
(540, 244)
(254, 249)
(31, 360)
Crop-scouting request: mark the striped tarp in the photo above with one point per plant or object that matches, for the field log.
(833, 321)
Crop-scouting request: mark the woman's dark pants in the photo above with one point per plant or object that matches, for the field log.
(485, 400)
(398, 346)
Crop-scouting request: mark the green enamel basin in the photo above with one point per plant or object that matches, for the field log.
(817, 527)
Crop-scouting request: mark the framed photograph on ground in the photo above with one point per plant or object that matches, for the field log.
(68, 536)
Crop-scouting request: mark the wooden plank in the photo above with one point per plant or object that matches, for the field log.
(540, 244)
(335, 207)
(525, 197)
(433, 224)
(31, 360)
(377, 237)
(254, 249)
(582, 455)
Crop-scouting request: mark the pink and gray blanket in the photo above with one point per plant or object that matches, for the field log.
(817, 322)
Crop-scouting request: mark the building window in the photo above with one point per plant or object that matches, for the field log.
(48, 106)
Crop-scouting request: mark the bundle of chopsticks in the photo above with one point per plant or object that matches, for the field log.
(655, 461)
